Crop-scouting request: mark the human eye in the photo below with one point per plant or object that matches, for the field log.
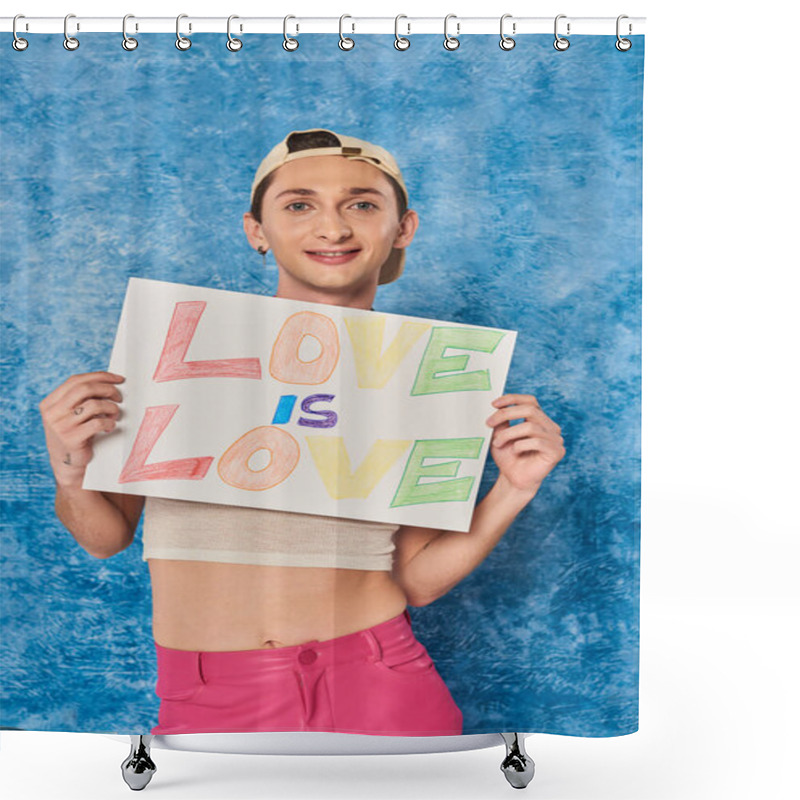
(365, 203)
(296, 203)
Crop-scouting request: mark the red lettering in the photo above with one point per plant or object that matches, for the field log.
(156, 419)
(171, 365)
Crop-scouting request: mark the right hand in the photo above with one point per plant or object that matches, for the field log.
(72, 414)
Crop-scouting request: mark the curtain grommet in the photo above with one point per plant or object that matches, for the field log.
(181, 42)
(70, 42)
(451, 42)
(560, 43)
(506, 42)
(345, 43)
(19, 44)
(400, 42)
(290, 44)
(233, 44)
(128, 42)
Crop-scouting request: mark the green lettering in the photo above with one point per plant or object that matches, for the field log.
(434, 361)
(411, 492)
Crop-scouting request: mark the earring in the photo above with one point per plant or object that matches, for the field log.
(263, 252)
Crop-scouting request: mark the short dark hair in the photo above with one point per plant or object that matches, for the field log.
(309, 141)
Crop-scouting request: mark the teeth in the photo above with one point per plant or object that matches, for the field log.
(334, 253)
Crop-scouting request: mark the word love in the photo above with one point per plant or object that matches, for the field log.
(330, 458)
(375, 364)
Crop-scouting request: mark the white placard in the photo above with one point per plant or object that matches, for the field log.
(260, 401)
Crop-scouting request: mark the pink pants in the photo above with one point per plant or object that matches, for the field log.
(376, 681)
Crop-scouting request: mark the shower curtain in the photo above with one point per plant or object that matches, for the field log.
(524, 167)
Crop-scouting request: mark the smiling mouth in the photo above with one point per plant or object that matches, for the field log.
(331, 253)
(332, 257)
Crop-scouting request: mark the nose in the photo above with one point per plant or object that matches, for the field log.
(332, 227)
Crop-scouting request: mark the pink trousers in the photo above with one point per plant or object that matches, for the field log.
(379, 681)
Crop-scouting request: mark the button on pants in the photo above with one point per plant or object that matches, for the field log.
(378, 681)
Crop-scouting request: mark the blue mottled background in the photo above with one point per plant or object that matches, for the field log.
(525, 167)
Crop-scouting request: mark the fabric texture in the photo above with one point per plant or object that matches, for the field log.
(525, 169)
(378, 681)
(181, 529)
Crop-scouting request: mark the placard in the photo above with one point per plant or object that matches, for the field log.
(266, 402)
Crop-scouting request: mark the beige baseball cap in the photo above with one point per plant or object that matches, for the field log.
(349, 146)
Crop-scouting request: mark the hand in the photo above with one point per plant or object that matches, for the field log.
(524, 453)
(72, 414)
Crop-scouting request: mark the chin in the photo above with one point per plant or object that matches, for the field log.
(339, 280)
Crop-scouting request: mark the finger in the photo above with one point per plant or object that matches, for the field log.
(76, 388)
(547, 448)
(71, 429)
(69, 385)
(88, 410)
(515, 412)
(526, 443)
(509, 399)
(96, 390)
(77, 438)
(526, 430)
(531, 413)
(61, 416)
(533, 443)
(518, 432)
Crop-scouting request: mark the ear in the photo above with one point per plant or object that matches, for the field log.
(408, 227)
(254, 232)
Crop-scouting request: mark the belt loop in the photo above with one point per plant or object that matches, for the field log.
(376, 653)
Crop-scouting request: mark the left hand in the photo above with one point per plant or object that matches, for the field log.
(524, 453)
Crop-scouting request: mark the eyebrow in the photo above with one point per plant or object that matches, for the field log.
(354, 191)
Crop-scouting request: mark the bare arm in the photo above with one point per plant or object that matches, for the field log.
(103, 523)
(429, 562)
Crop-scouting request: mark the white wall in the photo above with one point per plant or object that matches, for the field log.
(719, 704)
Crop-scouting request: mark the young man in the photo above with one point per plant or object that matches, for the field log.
(305, 627)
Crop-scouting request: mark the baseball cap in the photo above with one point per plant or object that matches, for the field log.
(356, 149)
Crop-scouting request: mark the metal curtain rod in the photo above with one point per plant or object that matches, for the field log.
(406, 25)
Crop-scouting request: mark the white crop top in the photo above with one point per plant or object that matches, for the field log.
(188, 530)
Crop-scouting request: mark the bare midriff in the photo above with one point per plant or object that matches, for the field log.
(210, 606)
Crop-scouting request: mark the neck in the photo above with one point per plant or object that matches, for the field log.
(346, 297)
(325, 302)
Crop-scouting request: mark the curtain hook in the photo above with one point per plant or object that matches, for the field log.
(506, 42)
(128, 42)
(400, 42)
(623, 44)
(561, 43)
(451, 42)
(233, 44)
(70, 42)
(344, 42)
(290, 44)
(18, 43)
(181, 42)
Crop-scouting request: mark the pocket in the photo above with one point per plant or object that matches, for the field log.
(408, 658)
(179, 676)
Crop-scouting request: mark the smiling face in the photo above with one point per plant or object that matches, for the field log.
(331, 222)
